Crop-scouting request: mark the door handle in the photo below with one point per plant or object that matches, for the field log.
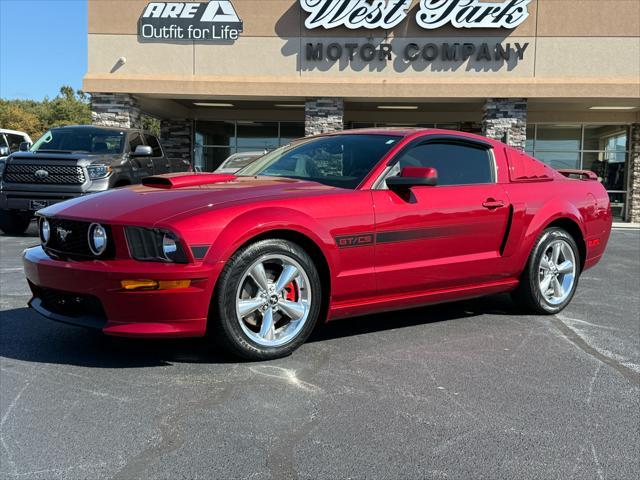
(492, 204)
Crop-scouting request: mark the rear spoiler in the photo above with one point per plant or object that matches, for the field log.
(186, 179)
(579, 174)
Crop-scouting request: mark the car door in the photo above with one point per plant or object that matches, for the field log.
(141, 166)
(444, 236)
(160, 163)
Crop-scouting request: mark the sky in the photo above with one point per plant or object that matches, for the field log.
(43, 45)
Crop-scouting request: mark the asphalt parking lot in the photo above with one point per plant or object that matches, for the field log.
(468, 390)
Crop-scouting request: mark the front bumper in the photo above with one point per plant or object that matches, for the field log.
(154, 314)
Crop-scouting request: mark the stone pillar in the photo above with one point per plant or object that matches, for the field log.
(323, 115)
(505, 119)
(177, 137)
(115, 110)
(633, 215)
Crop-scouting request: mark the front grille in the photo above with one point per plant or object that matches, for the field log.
(55, 174)
(69, 238)
(70, 304)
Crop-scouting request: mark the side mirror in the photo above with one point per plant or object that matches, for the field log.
(4, 151)
(25, 146)
(143, 151)
(413, 177)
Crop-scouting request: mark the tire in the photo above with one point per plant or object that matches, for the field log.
(542, 270)
(246, 303)
(14, 223)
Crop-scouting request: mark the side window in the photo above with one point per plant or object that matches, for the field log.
(152, 141)
(134, 140)
(14, 141)
(457, 164)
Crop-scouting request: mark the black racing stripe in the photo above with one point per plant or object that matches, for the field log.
(393, 236)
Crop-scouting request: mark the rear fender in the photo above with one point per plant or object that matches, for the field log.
(553, 210)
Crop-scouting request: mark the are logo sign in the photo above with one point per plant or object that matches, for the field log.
(216, 20)
(431, 14)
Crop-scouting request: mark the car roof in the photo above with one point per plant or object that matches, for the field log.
(410, 132)
(15, 132)
(102, 127)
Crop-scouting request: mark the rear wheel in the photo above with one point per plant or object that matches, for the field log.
(551, 277)
(268, 300)
(14, 223)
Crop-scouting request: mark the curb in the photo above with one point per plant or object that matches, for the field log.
(626, 226)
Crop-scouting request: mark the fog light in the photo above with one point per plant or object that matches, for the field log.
(97, 239)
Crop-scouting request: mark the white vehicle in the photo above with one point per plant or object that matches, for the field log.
(10, 141)
(238, 161)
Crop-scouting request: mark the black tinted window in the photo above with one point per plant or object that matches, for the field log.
(81, 139)
(15, 141)
(152, 141)
(456, 164)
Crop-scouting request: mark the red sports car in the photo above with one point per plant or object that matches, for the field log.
(327, 227)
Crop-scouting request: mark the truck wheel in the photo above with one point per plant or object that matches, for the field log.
(14, 223)
(267, 301)
(551, 276)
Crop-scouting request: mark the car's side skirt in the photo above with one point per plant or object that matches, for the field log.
(377, 304)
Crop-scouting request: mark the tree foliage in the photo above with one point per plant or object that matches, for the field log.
(36, 117)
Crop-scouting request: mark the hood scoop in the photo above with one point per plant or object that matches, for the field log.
(168, 182)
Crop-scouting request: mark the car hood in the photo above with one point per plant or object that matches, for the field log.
(79, 158)
(146, 206)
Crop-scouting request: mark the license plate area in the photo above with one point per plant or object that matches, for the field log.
(38, 204)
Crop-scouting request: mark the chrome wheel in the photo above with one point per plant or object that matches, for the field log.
(273, 300)
(557, 272)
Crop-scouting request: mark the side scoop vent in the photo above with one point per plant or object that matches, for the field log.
(184, 180)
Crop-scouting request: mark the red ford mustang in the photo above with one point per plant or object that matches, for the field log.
(327, 227)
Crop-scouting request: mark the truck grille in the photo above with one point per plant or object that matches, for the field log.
(44, 174)
(69, 238)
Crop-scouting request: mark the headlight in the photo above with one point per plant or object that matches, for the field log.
(45, 231)
(97, 239)
(98, 171)
(155, 245)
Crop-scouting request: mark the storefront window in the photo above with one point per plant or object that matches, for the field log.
(602, 149)
(558, 138)
(258, 135)
(215, 141)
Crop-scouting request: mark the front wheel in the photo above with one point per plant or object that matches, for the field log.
(551, 276)
(267, 301)
(13, 222)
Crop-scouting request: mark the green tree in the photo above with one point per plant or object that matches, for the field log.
(35, 117)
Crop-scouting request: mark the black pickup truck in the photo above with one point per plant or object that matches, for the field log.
(69, 162)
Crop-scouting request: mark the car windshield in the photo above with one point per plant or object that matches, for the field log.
(86, 139)
(336, 160)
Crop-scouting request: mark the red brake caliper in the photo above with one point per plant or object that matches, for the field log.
(291, 292)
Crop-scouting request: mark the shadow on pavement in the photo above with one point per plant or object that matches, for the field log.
(26, 336)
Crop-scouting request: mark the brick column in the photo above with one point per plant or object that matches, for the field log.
(115, 110)
(505, 119)
(323, 115)
(633, 215)
(177, 137)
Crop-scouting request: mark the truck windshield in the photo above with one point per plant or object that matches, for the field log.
(99, 141)
(335, 160)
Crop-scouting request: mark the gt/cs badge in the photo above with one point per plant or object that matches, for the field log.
(348, 241)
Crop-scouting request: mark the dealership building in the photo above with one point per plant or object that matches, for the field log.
(558, 78)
